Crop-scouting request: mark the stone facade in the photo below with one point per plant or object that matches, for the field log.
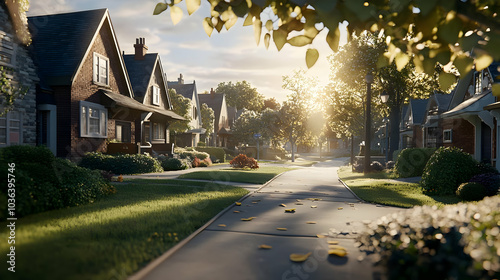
(24, 74)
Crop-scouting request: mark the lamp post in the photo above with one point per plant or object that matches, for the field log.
(368, 123)
(384, 96)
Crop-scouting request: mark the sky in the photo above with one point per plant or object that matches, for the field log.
(185, 48)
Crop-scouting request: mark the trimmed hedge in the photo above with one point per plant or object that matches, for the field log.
(121, 164)
(411, 162)
(44, 182)
(490, 181)
(471, 191)
(447, 168)
(457, 242)
(190, 153)
(216, 152)
(172, 164)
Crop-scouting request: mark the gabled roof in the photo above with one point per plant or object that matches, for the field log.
(442, 101)
(61, 43)
(213, 101)
(474, 104)
(140, 72)
(186, 90)
(418, 107)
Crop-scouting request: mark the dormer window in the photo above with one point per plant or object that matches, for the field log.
(101, 69)
(156, 95)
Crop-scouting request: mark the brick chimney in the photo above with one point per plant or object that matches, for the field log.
(180, 79)
(140, 48)
(212, 92)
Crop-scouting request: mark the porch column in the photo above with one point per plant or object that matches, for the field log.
(476, 122)
(496, 113)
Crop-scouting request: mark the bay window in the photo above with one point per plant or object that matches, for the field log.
(93, 120)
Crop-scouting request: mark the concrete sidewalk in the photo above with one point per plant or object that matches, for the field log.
(228, 247)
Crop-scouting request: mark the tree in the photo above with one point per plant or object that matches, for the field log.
(181, 106)
(207, 119)
(466, 33)
(297, 108)
(241, 96)
(245, 126)
(272, 104)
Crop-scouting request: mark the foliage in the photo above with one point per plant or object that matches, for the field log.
(241, 95)
(272, 104)
(181, 106)
(422, 243)
(471, 191)
(214, 152)
(424, 32)
(490, 181)
(250, 122)
(201, 144)
(190, 153)
(205, 163)
(390, 164)
(447, 168)
(242, 161)
(9, 91)
(376, 166)
(44, 182)
(411, 162)
(207, 118)
(252, 176)
(171, 164)
(121, 164)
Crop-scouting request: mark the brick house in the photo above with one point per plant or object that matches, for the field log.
(84, 80)
(222, 130)
(18, 126)
(411, 132)
(149, 83)
(437, 104)
(191, 137)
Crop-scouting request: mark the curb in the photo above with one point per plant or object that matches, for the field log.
(349, 189)
(152, 265)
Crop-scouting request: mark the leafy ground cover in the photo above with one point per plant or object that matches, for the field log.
(254, 176)
(116, 236)
(380, 188)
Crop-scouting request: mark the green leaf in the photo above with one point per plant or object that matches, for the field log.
(300, 41)
(483, 61)
(425, 6)
(324, 6)
(401, 60)
(267, 38)
(192, 5)
(160, 8)
(269, 25)
(464, 64)
(446, 80)
(257, 30)
(312, 56)
(175, 14)
(279, 38)
(333, 38)
(449, 30)
(493, 45)
(241, 9)
(382, 62)
(496, 90)
(208, 26)
(248, 20)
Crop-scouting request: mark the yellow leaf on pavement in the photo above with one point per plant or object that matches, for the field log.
(282, 229)
(247, 219)
(310, 222)
(333, 242)
(321, 235)
(291, 210)
(264, 246)
(340, 208)
(238, 203)
(283, 205)
(299, 257)
(222, 225)
(314, 206)
(236, 211)
(337, 252)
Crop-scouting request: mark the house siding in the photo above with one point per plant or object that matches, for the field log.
(463, 134)
(25, 74)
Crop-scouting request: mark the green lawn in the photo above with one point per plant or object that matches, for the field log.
(378, 188)
(303, 163)
(256, 176)
(116, 236)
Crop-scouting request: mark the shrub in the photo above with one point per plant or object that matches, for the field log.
(205, 163)
(190, 153)
(471, 191)
(457, 242)
(121, 164)
(215, 153)
(170, 164)
(358, 167)
(446, 170)
(201, 144)
(490, 181)
(196, 162)
(242, 161)
(376, 166)
(485, 168)
(411, 162)
(390, 164)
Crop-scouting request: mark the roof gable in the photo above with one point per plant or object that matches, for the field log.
(140, 72)
(214, 101)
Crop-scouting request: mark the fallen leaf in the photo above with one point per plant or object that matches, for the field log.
(333, 242)
(314, 206)
(252, 217)
(298, 200)
(351, 204)
(337, 252)
(282, 229)
(254, 202)
(335, 246)
(310, 222)
(236, 211)
(291, 210)
(222, 225)
(247, 219)
(264, 246)
(340, 208)
(299, 257)
(321, 235)
(238, 203)
(283, 205)
(299, 203)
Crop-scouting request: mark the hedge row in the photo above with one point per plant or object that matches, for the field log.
(216, 154)
(121, 164)
(411, 162)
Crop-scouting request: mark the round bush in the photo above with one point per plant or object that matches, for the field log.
(171, 164)
(411, 162)
(376, 166)
(490, 181)
(242, 161)
(447, 168)
(471, 191)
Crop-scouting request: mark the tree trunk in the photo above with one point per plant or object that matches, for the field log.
(352, 150)
(292, 144)
(394, 122)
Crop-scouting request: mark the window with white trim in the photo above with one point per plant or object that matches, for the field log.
(101, 69)
(156, 95)
(93, 120)
(447, 136)
(11, 129)
(158, 131)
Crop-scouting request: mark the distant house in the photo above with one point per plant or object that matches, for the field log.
(150, 88)
(222, 130)
(85, 82)
(411, 132)
(192, 136)
(437, 104)
(19, 125)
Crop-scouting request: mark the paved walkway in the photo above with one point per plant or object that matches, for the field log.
(231, 251)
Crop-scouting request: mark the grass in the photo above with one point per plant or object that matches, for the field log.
(116, 236)
(378, 188)
(255, 176)
(303, 163)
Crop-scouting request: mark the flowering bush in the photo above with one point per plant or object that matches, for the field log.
(242, 161)
(490, 181)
